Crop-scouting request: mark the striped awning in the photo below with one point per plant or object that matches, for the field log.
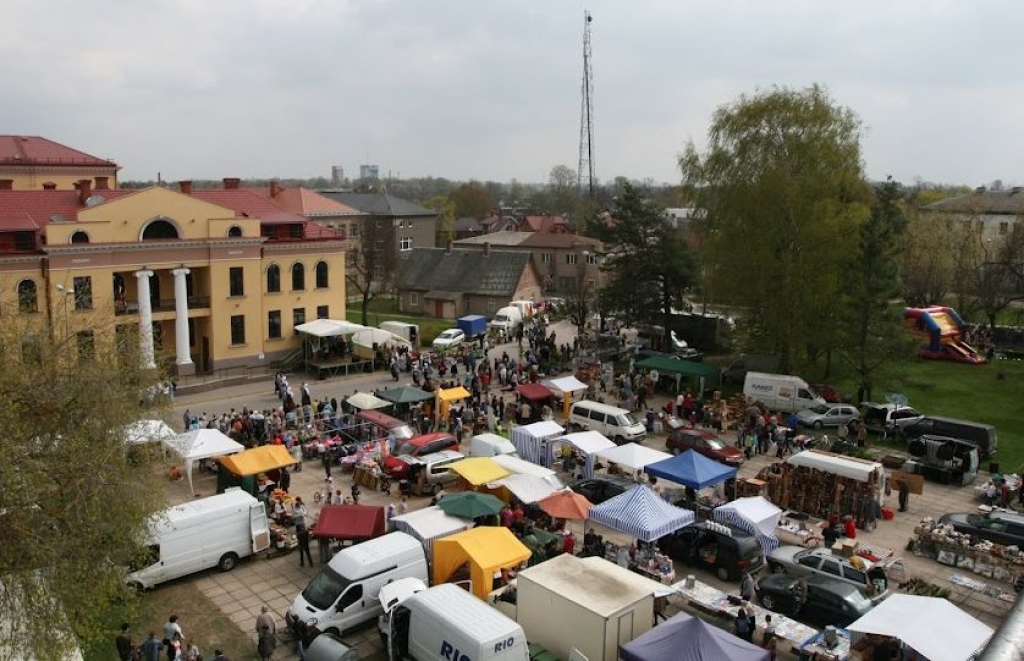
(429, 524)
(733, 518)
(640, 513)
(531, 440)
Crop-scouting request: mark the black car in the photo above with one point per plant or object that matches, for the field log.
(1004, 528)
(729, 552)
(599, 489)
(828, 600)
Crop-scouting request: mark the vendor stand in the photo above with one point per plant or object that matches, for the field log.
(687, 638)
(531, 441)
(538, 397)
(832, 644)
(428, 524)
(246, 468)
(633, 456)
(695, 471)
(985, 558)
(487, 550)
(588, 443)
(444, 400)
(757, 516)
(347, 524)
(201, 444)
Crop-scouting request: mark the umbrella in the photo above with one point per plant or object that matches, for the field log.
(365, 400)
(470, 504)
(405, 395)
(566, 505)
(145, 431)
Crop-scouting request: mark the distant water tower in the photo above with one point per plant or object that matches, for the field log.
(337, 175)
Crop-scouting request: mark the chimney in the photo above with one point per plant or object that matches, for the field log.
(6, 184)
(185, 186)
(101, 183)
(232, 183)
(275, 188)
(487, 248)
(49, 185)
(448, 250)
(84, 190)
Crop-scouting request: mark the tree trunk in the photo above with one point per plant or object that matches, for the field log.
(365, 306)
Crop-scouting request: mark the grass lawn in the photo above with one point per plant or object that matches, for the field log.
(386, 309)
(200, 619)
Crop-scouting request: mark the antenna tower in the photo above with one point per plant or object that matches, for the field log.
(585, 179)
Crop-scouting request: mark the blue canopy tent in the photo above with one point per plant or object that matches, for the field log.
(640, 513)
(688, 638)
(691, 469)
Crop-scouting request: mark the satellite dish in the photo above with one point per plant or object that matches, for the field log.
(58, 218)
(94, 200)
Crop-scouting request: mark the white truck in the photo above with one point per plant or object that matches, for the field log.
(446, 623)
(780, 392)
(345, 591)
(507, 320)
(210, 532)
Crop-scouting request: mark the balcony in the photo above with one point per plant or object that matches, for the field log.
(125, 307)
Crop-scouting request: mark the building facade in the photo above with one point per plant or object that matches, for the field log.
(34, 163)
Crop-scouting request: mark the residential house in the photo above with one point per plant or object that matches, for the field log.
(450, 282)
(990, 212)
(201, 280)
(545, 224)
(29, 162)
(568, 264)
(467, 227)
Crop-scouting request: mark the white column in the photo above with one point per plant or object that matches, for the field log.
(145, 319)
(181, 338)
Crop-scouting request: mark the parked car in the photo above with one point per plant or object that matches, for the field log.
(599, 489)
(828, 415)
(998, 527)
(798, 561)
(705, 443)
(981, 434)
(828, 393)
(887, 418)
(725, 550)
(450, 338)
(418, 446)
(828, 600)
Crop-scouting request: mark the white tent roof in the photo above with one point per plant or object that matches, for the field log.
(564, 384)
(633, 455)
(328, 327)
(365, 400)
(524, 467)
(500, 443)
(527, 488)
(201, 444)
(856, 469)
(370, 336)
(761, 512)
(541, 429)
(588, 442)
(430, 523)
(932, 626)
(148, 431)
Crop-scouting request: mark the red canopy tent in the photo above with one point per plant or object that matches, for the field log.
(355, 522)
(534, 392)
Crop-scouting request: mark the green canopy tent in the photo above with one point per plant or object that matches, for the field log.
(404, 397)
(681, 368)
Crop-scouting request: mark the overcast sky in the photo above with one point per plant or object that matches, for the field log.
(491, 90)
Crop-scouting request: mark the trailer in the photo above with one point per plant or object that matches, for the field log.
(473, 325)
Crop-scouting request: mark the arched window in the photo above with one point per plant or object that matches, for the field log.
(321, 275)
(79, 237)
(235, 231)
(273, 279)
(160, 229)
(28, 297)
(298, 277)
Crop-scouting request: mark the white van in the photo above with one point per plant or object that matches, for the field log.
(345, 591)
(209, 532)
(507, 319)
(490, 445)
(410, 332)
(780, 392)
(527, 308)
(614, 423)
(447, 623)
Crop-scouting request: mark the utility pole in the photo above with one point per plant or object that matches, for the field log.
(585, 179)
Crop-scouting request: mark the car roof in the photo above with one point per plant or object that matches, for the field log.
(736, 532)
(1007, 516)
(836, 586)
(423, 439)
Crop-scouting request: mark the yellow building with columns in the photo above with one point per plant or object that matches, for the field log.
(203, 281)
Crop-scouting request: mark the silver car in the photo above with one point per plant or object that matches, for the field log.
(798, 561)
(827, 415)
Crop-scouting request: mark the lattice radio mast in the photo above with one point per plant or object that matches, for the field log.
(585, 173)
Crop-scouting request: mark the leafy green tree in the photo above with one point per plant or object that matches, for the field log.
(74, 495)
(874, 339)
(446, 212)
(649, 264)
(471, 200)
(780, 192)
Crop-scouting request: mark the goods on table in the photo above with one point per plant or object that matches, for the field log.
(822, 494)
(985, 558)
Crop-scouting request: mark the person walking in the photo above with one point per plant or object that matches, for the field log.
(744, 624)
(265, 620)
(150, 649)
(267, 643)
(747, 587)
(171, 629)
(904, 496)
(302, 535)
(123, 643)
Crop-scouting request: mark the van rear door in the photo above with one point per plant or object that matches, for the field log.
(259, 527)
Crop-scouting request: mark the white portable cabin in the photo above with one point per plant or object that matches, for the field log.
(591, 606)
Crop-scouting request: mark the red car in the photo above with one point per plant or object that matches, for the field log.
(417, 447)
(827, 392)
(706, 443)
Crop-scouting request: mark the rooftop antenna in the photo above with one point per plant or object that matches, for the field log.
(585, 173)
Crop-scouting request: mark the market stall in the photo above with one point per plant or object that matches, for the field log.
(478, 470)
(589, 443)
(538, 396)
(349, 522)
(632, 456)
(688, 638)
(985, 558)
(243, 469)
(525, 487)
(325, 350)
(565, 389)
(404, 397)
(640, 513)
(668, 367)
(691, 469)
(367, 401)
(566, 505)
(532, 440)
(756, 515)
(932, 627)
(516, 465)
(201, 444)
(428, 524)
(148, 431)
(445, 398)
(487, 550)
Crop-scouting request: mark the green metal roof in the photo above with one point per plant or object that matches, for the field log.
(673, 366)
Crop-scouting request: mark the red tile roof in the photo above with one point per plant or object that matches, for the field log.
(313, 230)
(34, 150)
(306, 202)
(21, 210)
(540, 223)
(249, 204)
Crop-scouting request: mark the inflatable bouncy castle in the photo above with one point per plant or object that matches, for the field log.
(944, 330)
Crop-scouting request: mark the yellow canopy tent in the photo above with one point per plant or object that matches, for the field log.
(257, 460)
(479, 470)
(486, 549)
(446, 397)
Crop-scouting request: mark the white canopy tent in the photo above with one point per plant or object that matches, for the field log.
(329, 328)
(148, 431)
(587, 442)
(201, 444)
(527, 488)
(563, 385)
(428, 524)
(856, 469)
(365, 400)
(531, 441)
(932, 626)
(517, 465)
(756, 515)
(633, 456)
(370, 336)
